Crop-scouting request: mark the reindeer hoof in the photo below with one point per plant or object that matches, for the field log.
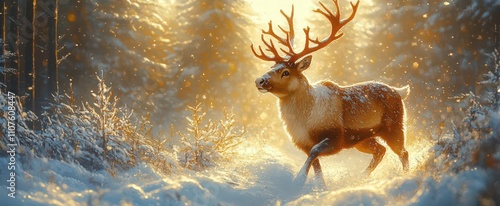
(367, 173)
(321, 186)
(300, 180)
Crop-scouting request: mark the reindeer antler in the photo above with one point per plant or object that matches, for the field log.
(287, 42)
(290, 54)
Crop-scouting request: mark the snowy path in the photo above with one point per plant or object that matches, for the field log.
(261, 181)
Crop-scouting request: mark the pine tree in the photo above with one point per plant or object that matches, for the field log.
(130, 42)
(214, 58)
(73, 26)
(435, 46)
(45, 66)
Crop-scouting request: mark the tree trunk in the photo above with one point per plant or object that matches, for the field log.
(2, 29)
(52, 47)
(10, 45)
(75, 27)
(44, 13)
(25, 58)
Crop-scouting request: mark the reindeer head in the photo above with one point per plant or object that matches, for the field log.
(286, 76)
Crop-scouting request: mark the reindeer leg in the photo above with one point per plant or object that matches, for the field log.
(371, 146)
(313, 154)
(319, 174)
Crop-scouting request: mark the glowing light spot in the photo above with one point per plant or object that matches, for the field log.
(263, 115)
(446, 3)
(415, 65)
(425, 15)
(71, 17)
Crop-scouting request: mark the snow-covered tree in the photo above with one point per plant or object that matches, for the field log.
(475, 139)
(206, 142)
(214, 58)
(131, 41)
(434, 45)
(493, 78)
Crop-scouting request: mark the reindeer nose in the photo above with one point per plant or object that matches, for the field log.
(259, 81)
(262, 80)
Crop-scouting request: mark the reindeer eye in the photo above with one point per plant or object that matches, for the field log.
(285, 74)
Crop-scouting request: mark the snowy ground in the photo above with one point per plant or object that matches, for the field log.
(265, 178)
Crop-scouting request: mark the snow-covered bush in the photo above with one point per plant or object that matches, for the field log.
(92, 135)
(157, 150)
(102, 136)
(475, 142)
(26, 139)
(493, 78)
(205, 143)
(106, 136)
(97, 135)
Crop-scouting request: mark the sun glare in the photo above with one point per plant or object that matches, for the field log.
(271, 9)
(266, 10)
(304, 16)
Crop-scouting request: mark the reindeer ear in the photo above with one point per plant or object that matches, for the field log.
(304, 63)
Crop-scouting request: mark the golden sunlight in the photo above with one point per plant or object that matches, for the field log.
(267, 10)
(304, 16)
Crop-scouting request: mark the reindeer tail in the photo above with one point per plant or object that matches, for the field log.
(404, 92)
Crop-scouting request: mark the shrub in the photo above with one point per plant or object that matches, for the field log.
(475, 141)
(102, 136)
(206, 143)
(97, 135)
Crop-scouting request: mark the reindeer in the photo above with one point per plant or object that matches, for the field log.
(324, 118)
